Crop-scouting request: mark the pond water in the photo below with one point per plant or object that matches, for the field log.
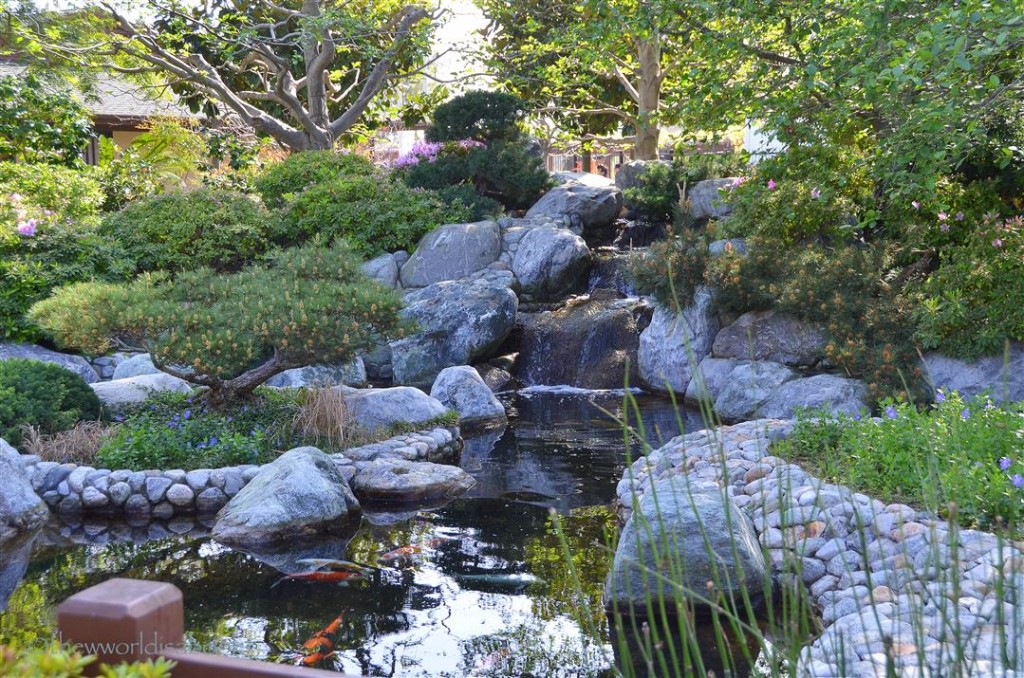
(485, 590)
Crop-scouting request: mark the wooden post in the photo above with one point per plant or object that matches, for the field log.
(123, 620)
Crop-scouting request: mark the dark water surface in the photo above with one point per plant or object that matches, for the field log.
(486, 593)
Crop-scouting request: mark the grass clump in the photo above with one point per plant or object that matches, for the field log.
(77, 445)
(962, 455)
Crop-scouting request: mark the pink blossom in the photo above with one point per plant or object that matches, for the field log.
(815, 193)
(997, 243)
(27, 228)
(771, 184)
(943, 216)
(916, 205)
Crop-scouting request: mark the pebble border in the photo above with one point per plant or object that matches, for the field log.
(71, 489)
(911, 592)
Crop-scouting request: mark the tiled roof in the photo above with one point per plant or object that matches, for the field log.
(114, 96)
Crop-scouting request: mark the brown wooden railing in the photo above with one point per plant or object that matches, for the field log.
(128, 620)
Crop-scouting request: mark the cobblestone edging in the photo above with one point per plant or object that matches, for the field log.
(74, 489)
(906, 594)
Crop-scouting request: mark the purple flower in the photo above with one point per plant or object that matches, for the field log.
(118, 418)
(940, 397)
(1005, 463)
(915, 204)
(737, 182)
(186, 414)
(1017, 480)
(944, 227)
(997, 243)
(213, 441)
(959, 216)
(771, 184)
(27, 228)
(856, 417)
(965, 414)
(815, 193)
(891, 412)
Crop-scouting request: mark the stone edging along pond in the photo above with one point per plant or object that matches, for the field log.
(73, 489)
(890, 588)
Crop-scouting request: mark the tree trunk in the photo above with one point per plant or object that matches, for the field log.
(649, 90)
(586, 157)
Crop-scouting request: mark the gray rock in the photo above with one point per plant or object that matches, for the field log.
(76, 364)
(93, 498)
(301, 495)
(180, 495)
(749, 387)
(134, 390)
(378, 408)
(596, 206)
(210, 501)
(383, 269)
(156, 488)
(119, 493)
(451, 252)
(136, 366)
(837, 394)
(461, 389)
(770, 335)
(550, 263)
(1002, 375)
(497, 379)
(707, 200)
(460, 322)
(14, 560)
(197, 479)
(710, 379)
(21, 509)
(671, 347)
(401, 481)
(352, 373)
(137, 505)
(588, 344)
(719, 247)
(585, 178)
(689, 523)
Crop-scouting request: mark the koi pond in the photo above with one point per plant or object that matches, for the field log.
(479, 586)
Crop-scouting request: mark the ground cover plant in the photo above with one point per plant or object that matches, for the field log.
(960, 456)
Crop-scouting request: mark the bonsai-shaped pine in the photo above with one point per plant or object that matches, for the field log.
(232, 332)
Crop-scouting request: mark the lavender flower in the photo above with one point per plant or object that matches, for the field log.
(959, 216)
(815, 193)
(891, 412)
(997, 243)
(1017, 480)
(940, 397)
(965, 414)
(27, 228)
(1005, 463)
(771, 184)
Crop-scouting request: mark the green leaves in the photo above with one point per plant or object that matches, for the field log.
(39, 124)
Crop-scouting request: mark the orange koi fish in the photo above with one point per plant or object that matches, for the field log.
(326, 576)
(322, 640)
(315, 658)
(399, 554)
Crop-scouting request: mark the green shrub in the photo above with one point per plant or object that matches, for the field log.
(181, 231)
(174, 430)
(234, 331)
(39, 125)
(971, 305)
(479, 207)
(127, 178)
(791, 211)
(694, 167)
(479, 115)
(374, 215)
(285, 180)
(671, 269)
(843, 288)
(43, 395)
(656, 193)
(957, 452)
(40, 251)
(56, 661)
(68, 193)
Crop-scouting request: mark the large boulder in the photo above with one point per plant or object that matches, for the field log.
(1001, 375)
(75, 363)
(587, 344)
(461, 388)
(692, 533)
(21, 509)
(300, 496)
(396, 481)
(133, 390)
(710, 379)
(596, 206)
(452, 251)
(771, 335)
(823, 391)
(135, 366)
(459, 321)
(550, 263)
(383, 269)
(672, 346)
(749, 387)
(378, 408)
(586, 178)
(707, 199)
(352, 373)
